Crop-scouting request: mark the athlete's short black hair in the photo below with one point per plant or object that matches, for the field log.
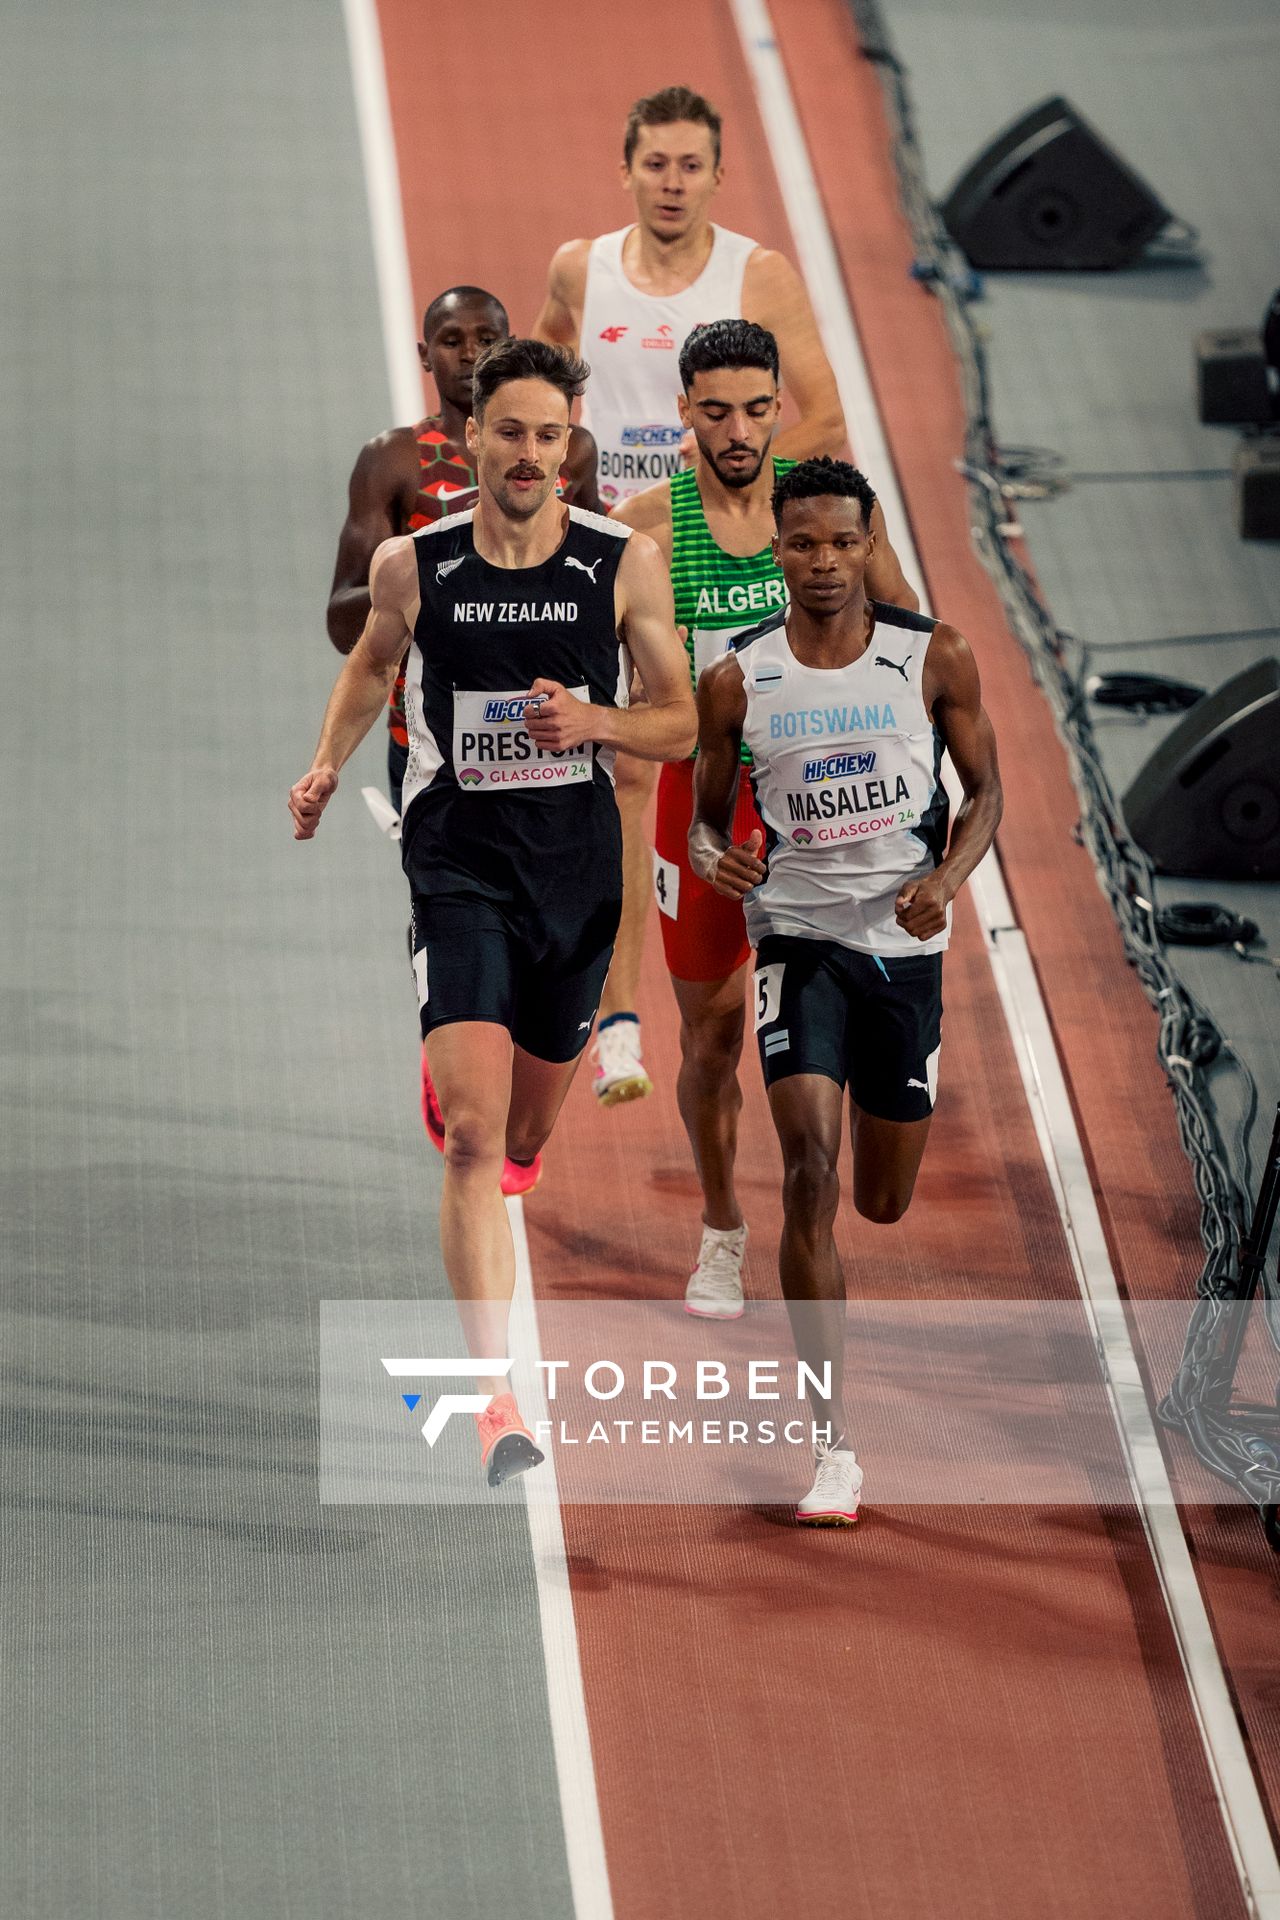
(516, 359)
(810, 479)
(663, 108)
(435, 313)
(727, 343)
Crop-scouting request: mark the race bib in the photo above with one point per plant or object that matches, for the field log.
(768, 993)
(666, 886)
(846, 795)
(492, 751)
(708, 644)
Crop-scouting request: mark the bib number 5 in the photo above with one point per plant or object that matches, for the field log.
(768, 992)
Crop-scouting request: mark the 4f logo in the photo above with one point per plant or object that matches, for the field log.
(612, 333)
(438, 1418)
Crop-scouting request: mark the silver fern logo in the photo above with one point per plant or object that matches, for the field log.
(446, 567)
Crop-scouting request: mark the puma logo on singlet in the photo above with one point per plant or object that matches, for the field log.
(918, 1083)
(880, 661)
(446, 567)
(582, 566)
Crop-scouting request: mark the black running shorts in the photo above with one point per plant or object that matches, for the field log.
(871, 1024)
(473, 961)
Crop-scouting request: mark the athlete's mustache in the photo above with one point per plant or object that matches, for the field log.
(524, 473)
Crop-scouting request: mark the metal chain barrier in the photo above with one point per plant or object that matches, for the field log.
(1241, 1443)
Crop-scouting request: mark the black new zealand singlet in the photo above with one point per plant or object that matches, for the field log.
(486, 812)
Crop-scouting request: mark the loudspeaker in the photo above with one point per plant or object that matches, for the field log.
(1050, 192)
(1207, 802)
(1256, 467)
(1232, 387)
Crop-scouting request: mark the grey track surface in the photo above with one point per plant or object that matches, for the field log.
(1099, 368)
(220, 1698)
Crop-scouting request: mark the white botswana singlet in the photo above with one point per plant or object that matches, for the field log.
(632, 342)
(847, 780)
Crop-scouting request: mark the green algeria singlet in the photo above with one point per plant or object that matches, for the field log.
(718, 596)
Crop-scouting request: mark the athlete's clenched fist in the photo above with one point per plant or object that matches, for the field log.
(739, 869)
(559, 720)
(921, 906)
(308, 799)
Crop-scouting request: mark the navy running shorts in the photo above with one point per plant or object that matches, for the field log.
(869, 1023)
(474, 961)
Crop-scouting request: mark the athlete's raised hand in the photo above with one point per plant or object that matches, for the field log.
(309, 798)
(739, 869)
(559, 720)
(921, 906)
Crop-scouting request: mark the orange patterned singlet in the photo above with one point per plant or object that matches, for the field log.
(447, 485)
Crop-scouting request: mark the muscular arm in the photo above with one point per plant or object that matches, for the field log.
(561, 317)
(954, 695)
(372, 494)
(773, 295)
(580, 471)
(885, 579)
(722, 711)
(367, 676)
(664, 725)
(649, 512)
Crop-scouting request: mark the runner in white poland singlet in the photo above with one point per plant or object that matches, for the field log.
(632, 341)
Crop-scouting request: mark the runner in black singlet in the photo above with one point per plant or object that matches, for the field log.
(411, 477)
(523, 618)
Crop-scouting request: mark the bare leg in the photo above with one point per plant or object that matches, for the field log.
(807, 1113)
(538, 1089)
(470, 1064)
(886, 1160)
(712, 1021)
(635, 780)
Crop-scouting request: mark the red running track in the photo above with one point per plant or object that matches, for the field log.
(962, 1712)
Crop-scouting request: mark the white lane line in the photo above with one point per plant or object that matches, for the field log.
(386, 215)
(570, 1730)
(571, 1738)
(1239, 1801)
